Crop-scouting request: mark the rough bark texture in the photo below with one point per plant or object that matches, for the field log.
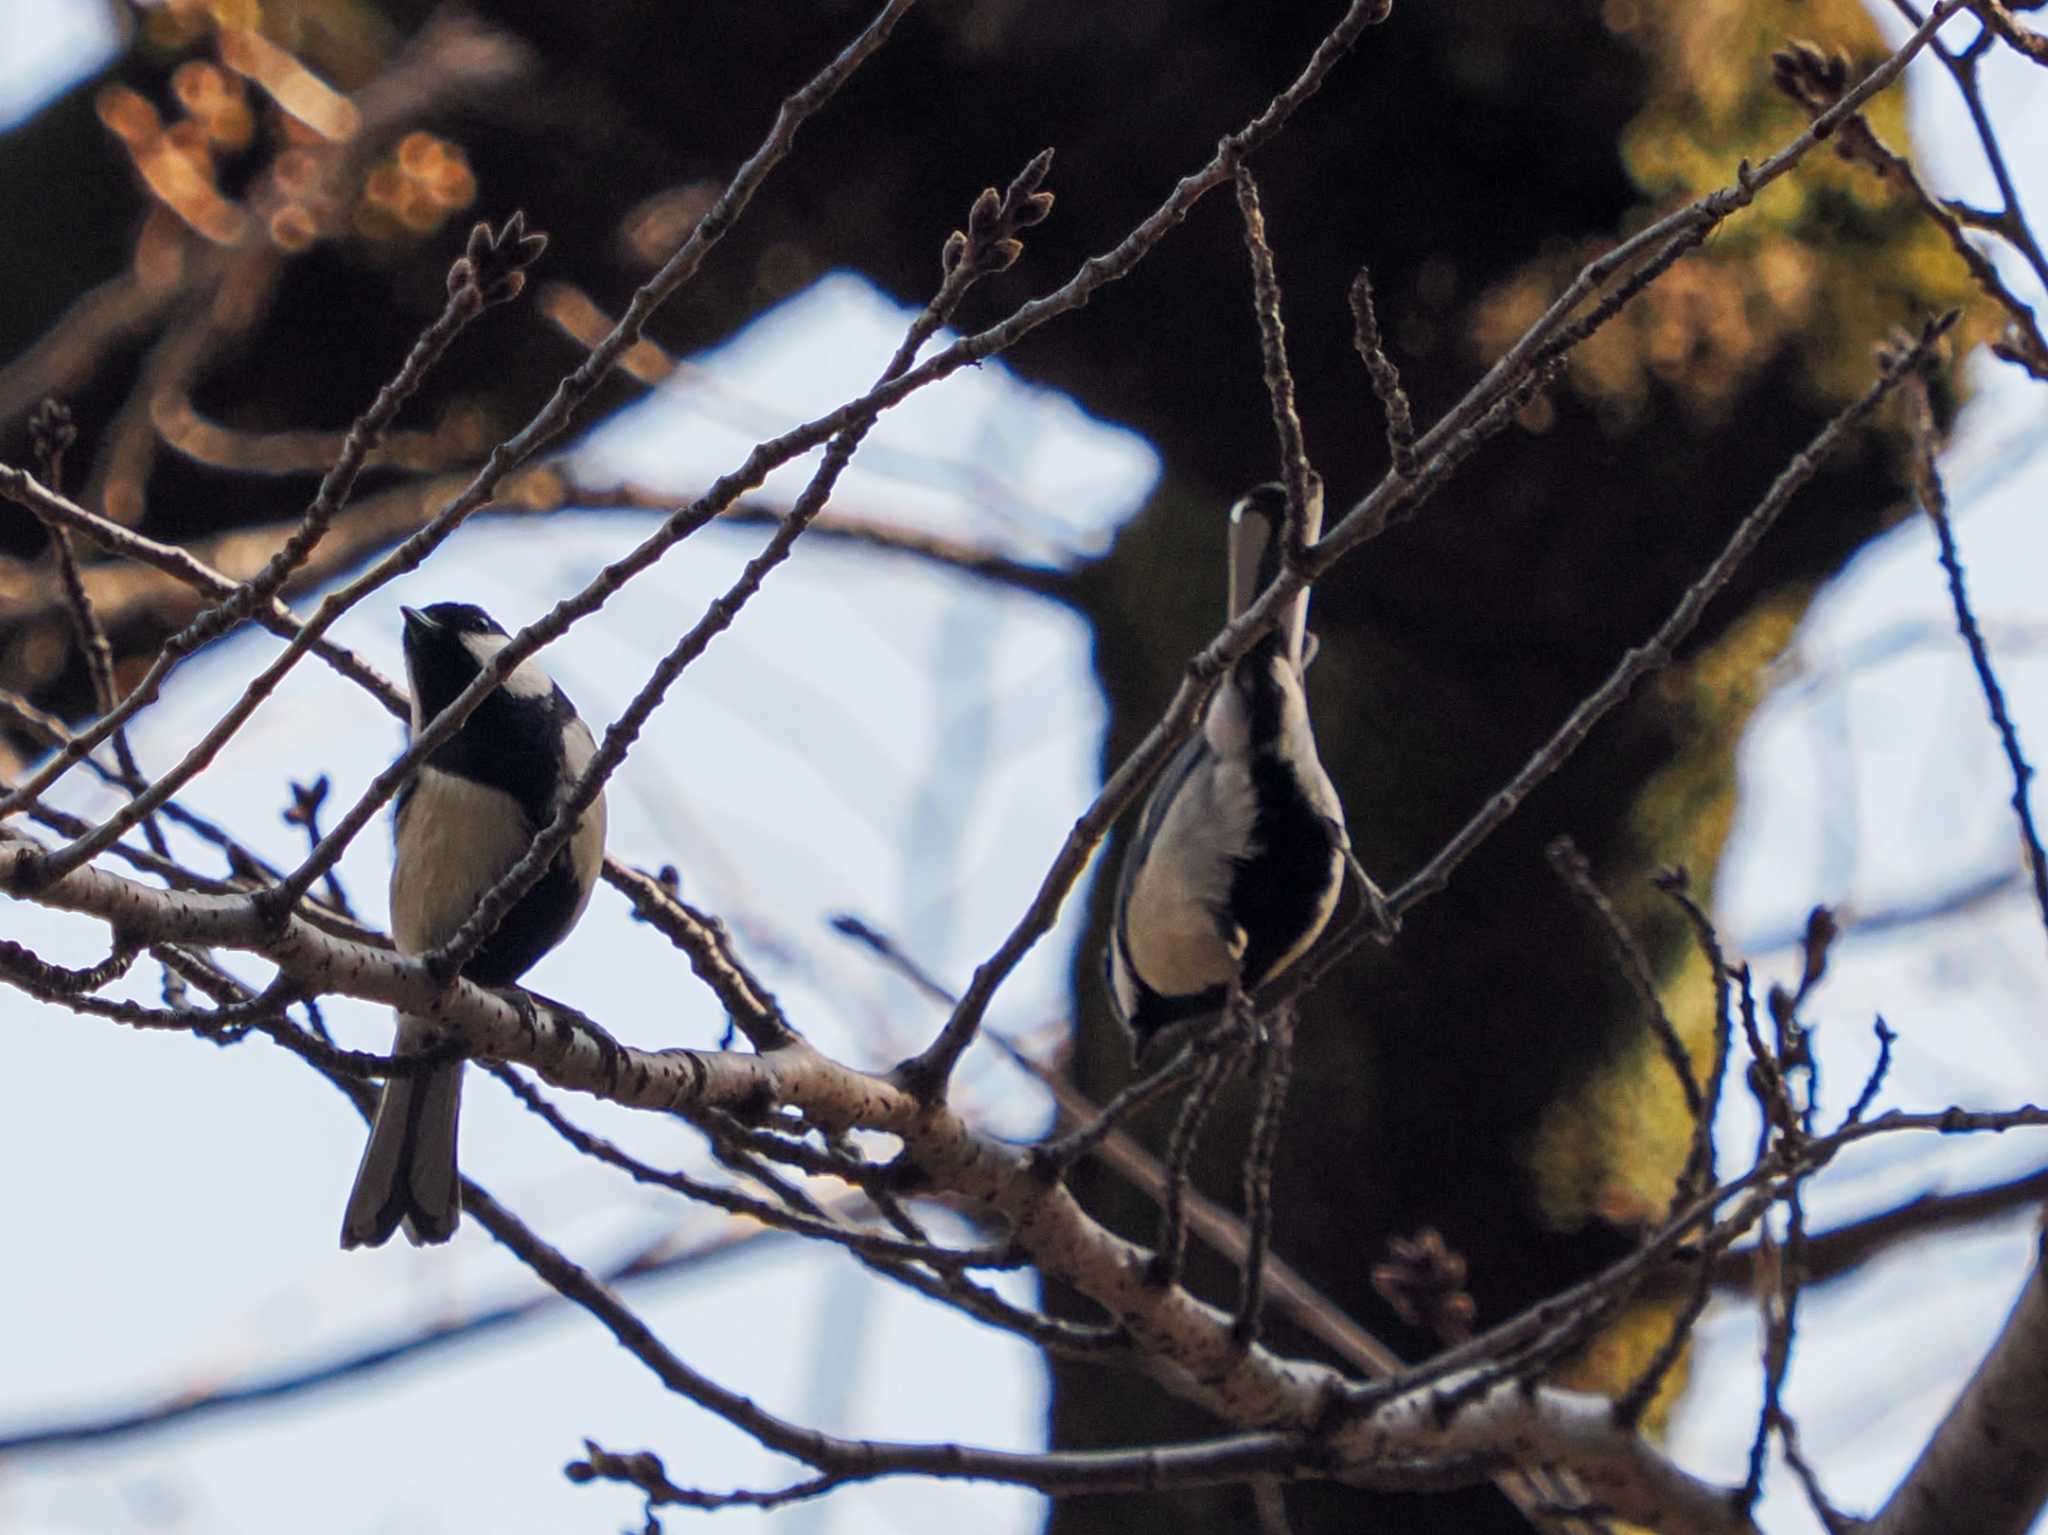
(1986, 1469)
(1461, 145)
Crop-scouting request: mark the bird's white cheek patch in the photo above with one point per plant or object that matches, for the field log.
(578, 747)
(527, 679)
(586, 847)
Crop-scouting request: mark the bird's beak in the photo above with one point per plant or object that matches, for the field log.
(417, 622)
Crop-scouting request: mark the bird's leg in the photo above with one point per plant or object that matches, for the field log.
(1385, 924)
(1374, 912)
(1165, 1071)
(1171, 1248)
(1275, 1070)
(1219, 1049)
(1052, 1160)
(527, 1009)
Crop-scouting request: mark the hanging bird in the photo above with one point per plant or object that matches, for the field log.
(1241, 849)
(467, 816)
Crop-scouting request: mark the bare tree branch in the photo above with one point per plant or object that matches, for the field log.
(1483, 1408)
(989, 246)
(1935, 499)
(20, 486)
(548, 423)
(1303, 484)
(1250, 1386)
(1813, 79)
(1844, 1249)
(1652, 655)
(1986, 1469)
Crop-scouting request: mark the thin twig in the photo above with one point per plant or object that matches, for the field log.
(980, 561)
(304, 813)
(1875, 1081)
(1657, 651)
(1572, 867)
(466, 300)
(708, 946)
(2011, 219)
(1633, 1403)
(1652, 655)
(1832, 1519)
(1699, 1163)
(1169, 1248)
(1776, 1356)
(1386, 378)
(990, 246)
(1812, 78)
(548, 423)
(1927, 480)
(1304, 486)
(2023, 40)
(1055, 1158)
(1791, 1283)
(1618, 298)
(52, 431)
(733, 1202)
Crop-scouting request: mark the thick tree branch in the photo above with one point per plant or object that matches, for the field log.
(1986, 1469)
(1188, 1343)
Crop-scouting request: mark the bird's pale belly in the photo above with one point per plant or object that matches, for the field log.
(1175, 947)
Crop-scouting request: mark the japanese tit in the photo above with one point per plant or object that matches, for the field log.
(466, 817)
(1239, 854)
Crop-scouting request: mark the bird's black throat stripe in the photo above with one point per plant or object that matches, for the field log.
(1277, 893)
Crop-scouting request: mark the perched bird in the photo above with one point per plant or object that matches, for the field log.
(474, 807)
(1240, 852)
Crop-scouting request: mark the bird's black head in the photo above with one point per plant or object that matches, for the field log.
(1255, 524)
(1268, 501)
(1258, 524)
(449, 619)
(447, 644)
